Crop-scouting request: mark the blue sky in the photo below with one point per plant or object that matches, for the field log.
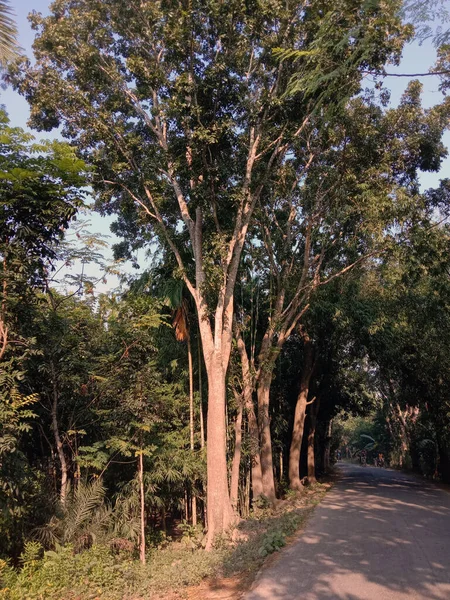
(416, 59)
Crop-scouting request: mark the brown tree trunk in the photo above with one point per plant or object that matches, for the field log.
(234, 485)
(265, 436)
(57, 436)
(327, 449)
(299, 418)
(200, 397)
(220, 512)
(191, 422)
(247, 389)
(142, 499)
(255, 456)
(404, 435)
(314, 410)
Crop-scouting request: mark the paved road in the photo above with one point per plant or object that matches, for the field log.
(378, 535)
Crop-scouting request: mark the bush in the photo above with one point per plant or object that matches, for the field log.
(272, 542)
(63, 575)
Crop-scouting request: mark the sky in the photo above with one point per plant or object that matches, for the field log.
(416, 59)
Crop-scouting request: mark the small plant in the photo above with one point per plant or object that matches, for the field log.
(7, 576)
(192, 535)
(291, 494)
(272, 542)
(261, 502)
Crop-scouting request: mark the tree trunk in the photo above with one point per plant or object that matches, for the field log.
(311, 439)
(56, 434)
(191, 422)
(234, 486)
(299, 418)
(200, 396)
(404, 435)
(327, 449)
(255, 456)
(142, 499)
(220, 512)
(265, 436)
(247, 389)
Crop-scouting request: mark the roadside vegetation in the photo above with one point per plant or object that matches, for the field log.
(292, 277)
(108, 571)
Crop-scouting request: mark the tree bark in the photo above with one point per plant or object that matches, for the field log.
(200, 396)
(299, 417)
(57, 436)
(220, 511)
(234, 485)
(314, 410)
(263, 392)
(142, 499)
(247, 390)
(191, 422)
(404, 434)
(327, 449)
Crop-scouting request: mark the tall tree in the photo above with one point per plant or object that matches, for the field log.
(182, 107)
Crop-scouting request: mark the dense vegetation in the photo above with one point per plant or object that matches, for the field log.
(294, 298)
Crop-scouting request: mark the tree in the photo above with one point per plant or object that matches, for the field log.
(40, 186)
(183, 109)
(321, 221)
(425, 14)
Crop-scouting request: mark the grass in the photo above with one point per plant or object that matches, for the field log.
(96, 574)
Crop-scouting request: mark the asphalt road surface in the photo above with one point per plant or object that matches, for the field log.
(378, 535)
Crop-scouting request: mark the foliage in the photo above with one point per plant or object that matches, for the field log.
(84, 517)
(15, 411)
(271, 543)
(428, 17)
(97, 570)
(235, 144)
(8, 33)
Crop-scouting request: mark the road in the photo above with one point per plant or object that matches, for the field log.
(378, 535)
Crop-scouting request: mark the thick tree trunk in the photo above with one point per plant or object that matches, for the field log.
(220, 512)
(142, 499)
(299, 418)
(57, 436)
(311, 440)
(265, 436)
(191, 421)
(234, 485)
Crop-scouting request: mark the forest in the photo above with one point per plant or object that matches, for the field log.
(292, 297)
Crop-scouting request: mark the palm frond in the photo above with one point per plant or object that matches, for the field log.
(8, 33)
(86, 499)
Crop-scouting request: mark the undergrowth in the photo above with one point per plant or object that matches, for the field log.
(98, 573)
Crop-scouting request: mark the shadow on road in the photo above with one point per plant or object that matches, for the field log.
(379, 535)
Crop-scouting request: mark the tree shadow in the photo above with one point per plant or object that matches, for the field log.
(379, 535)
